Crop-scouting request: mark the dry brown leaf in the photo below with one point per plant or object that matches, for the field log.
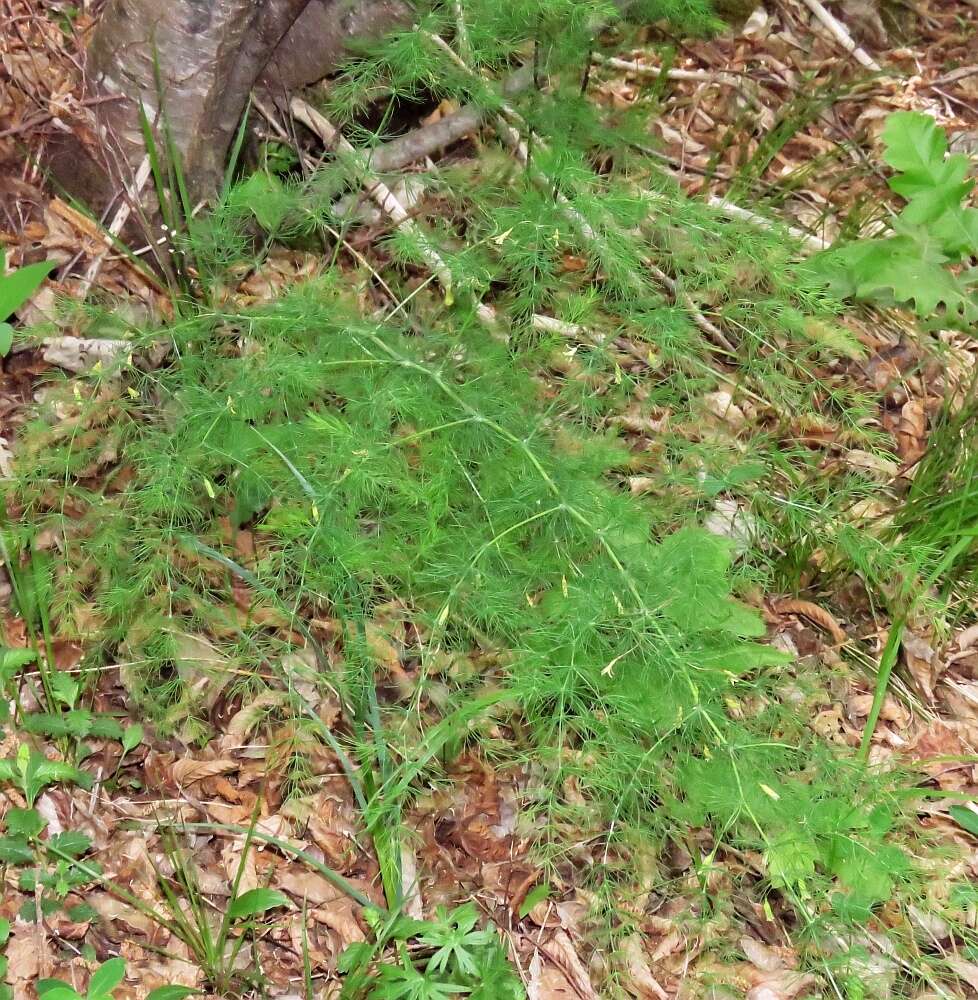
(893, 711)
(204, 669)
(188, 770)
(782, 984)
(306, 885)
(924, 665)
(639, 980)
(28, 957)
(930, 752)
(547, 981)
(912, 431)
(339, 916)
(231, 859)
(410, 884)
(721, 405)
(967, 971)
(882, 468)
(244, 721)
(561, 950)
(761, 955)
(112, 910)
(815, 614)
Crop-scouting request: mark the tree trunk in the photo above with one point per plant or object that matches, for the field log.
(191, 64)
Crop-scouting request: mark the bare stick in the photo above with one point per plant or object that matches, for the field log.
(810, 242)
(647, 69)
(116, 225)
(841, 34)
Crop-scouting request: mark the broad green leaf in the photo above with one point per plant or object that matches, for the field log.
(957, 231)
(65, 688)
(74, 843)
(105, 727)
(267, 198)
(256, 901)
(18, 287)
(965, 818)
(12, 660)
(41, 772)
(105, 979)
(354, 956)
(16, 851)
(45, 986)
(6, 339)
(171, 992)
(914, 143)
(4, 931)
(132, 736)
(59, 991)
(536, 895)
(25, 822)
(790, 860)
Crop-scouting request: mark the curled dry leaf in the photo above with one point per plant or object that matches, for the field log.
(877, 466)
(912, 431)
(244, 721)
(729, 520)
(231, 858)
(308, 886)
(340, 916)
(923, 663)
(762, 956)
(81, 354)
(188, 770)
(815, 614)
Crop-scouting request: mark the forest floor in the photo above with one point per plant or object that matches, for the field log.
(775, 116)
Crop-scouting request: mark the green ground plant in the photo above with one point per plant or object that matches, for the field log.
(15, 289)
(381, 448)
(102, 985)
(925, 261)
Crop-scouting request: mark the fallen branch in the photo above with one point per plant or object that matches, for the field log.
(841, 34)
(116, 225)
(428, 139)
(647, 69)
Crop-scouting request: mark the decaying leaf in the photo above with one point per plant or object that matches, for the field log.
(818, 615)
(721, 405)
(638, 974)
(922, 662)
(188, 770)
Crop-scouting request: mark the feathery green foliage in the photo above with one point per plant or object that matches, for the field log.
(364, 449)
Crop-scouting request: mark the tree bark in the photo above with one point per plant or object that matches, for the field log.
(191, 65)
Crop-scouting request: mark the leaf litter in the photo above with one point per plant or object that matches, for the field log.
(470, 841)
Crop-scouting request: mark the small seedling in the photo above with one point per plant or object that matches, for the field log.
(935, 231)
(448, 956)
(32, 772)
(50, 869)
(103, 982)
